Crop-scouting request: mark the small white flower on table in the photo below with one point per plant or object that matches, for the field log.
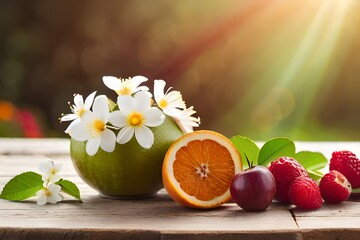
(93, 129)
(134, 117)
(50, 171)
(78, 109)
(49, 195)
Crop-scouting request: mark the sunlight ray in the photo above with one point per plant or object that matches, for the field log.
(309, 64)
(318, 58)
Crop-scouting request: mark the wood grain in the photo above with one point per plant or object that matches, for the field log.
(340, 221)
(158, 217)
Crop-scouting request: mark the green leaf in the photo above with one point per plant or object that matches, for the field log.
(314, 174)
(70, 188)
(311, 160)
(22, 186)
(247, 147)
(275, 148)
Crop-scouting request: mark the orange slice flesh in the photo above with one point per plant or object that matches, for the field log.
(198, 169)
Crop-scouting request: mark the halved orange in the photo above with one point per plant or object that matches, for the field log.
(198, 169)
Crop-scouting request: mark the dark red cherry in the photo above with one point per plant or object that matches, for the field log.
(253, 189)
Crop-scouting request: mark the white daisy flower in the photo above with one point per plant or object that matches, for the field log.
(49, 195)
(185, 120)
(134, 117)
(125, 86)
(50, 171)
(170, 101)
(92, 128)
(78, 109)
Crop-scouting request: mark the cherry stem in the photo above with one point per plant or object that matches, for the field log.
(248, 162)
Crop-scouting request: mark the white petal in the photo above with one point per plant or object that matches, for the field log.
(55, 196)
(184, 120)
(137, 80)
(101, 108)
(153, 117)
(54, 188)
(45, 176)
(159, 86)
(68, 117)
(89, 100)
(79, 132)
(117, 118)
(87, 117)
(191, 121)
(79, 101)
(126, 104)
(108, 140)
(171, 112)
(46, 166)
(186, 124)
(175, 100)
(54, 178)
(144, 136)
(141, 101)
(125, 134)
(183, 127)
(57, 167)
(173, 96)
(112, 82)
(92, 145)
(185, 115)
(41, 197)
(71, 125)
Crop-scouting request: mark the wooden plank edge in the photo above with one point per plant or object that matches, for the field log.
(99, 234)
(331, 234)
(241, 235)
(80, 234)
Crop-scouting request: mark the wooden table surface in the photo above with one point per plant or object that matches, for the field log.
(159, 217)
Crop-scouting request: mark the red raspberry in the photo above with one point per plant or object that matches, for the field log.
(348, 164)
(285, 171)
(305, 194)
(334, 187)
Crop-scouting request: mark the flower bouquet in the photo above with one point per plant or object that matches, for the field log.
(118, 148)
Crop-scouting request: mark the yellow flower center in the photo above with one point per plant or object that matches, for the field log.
(53, 171)
(126, 87)
(136, 119)
(163, 103)
(47, 193)
(124, 91)
(97, 127)
(80, 112)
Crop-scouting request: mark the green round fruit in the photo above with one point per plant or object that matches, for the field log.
(130, 171)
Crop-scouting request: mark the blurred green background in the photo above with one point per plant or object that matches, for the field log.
(257, 68)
